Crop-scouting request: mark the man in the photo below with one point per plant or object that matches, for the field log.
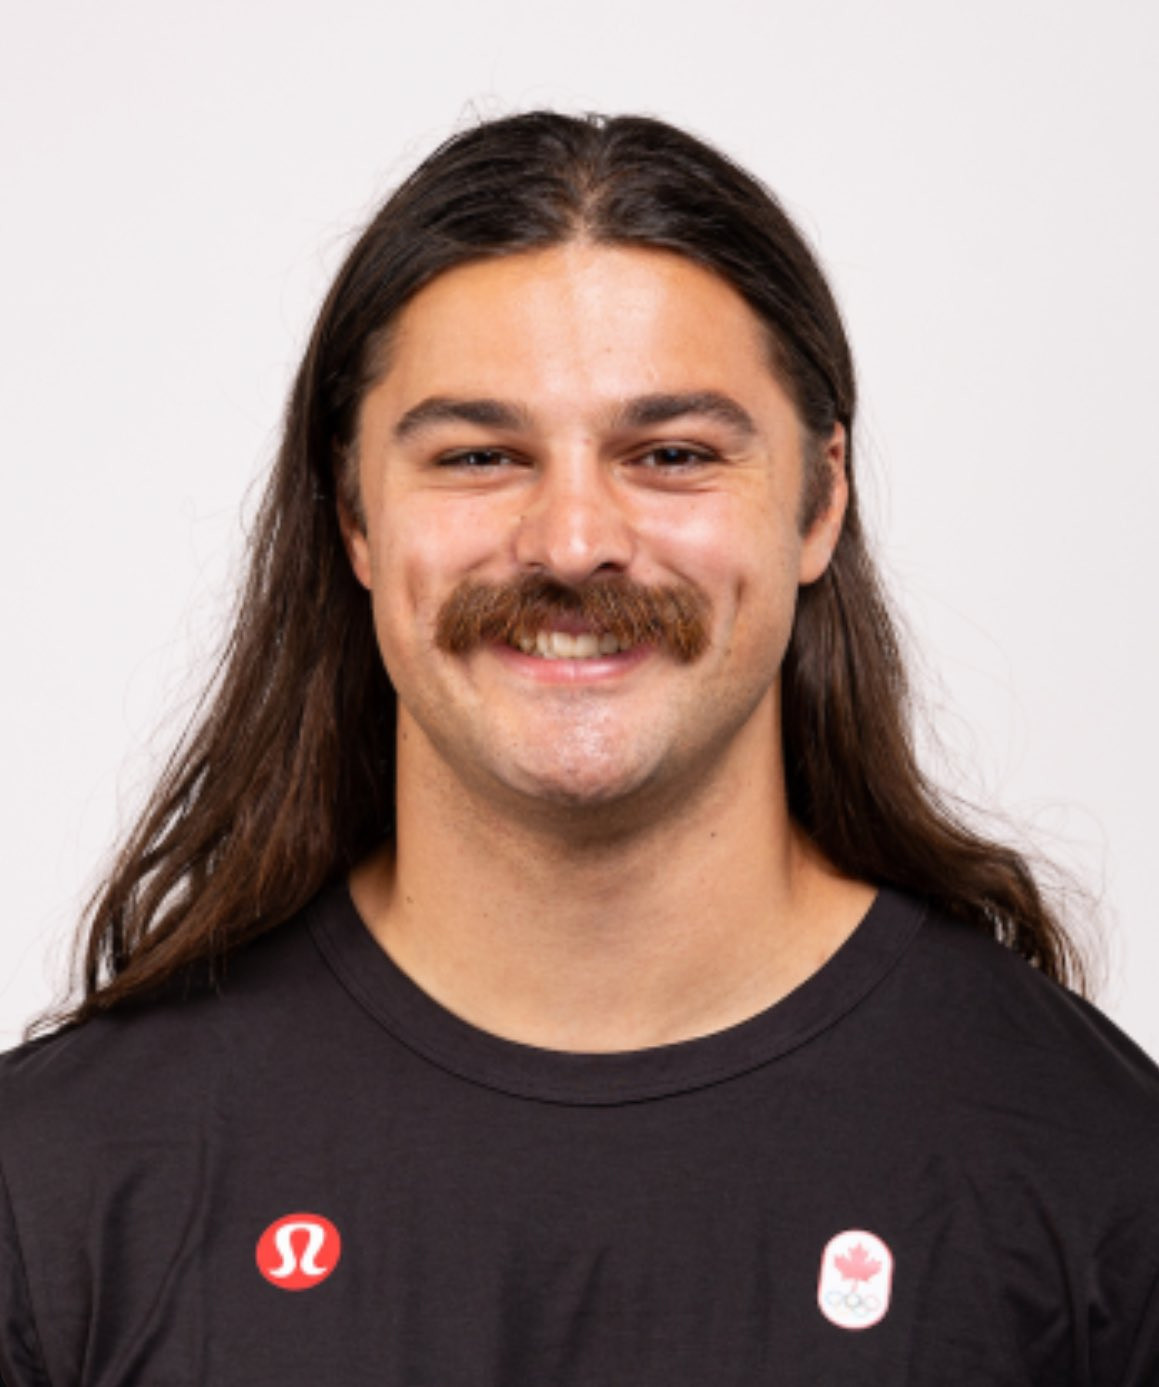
(546, 963)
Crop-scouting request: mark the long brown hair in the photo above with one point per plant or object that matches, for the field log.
(286, 778)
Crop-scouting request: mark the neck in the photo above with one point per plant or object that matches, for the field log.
(648, 930)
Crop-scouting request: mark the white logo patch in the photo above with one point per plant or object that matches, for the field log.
(856, 1279)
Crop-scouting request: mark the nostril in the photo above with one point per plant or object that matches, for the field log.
(573, 539)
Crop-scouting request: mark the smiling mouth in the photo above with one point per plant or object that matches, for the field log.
(563, 645)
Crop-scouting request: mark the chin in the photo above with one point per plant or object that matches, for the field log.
(579, 786)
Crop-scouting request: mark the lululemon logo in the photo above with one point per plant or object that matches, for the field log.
(299, 1251)
(856, 1279)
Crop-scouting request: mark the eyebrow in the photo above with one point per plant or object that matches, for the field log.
(446, 409)
(646, 410)
(641, 412)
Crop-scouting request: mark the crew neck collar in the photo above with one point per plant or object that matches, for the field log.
(428, 1028)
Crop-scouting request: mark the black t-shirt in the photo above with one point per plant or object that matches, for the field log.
(927, 1166)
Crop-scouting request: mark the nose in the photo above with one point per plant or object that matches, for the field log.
(575, 524)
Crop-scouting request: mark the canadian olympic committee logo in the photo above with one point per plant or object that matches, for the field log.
(299, 1251)
(856, 1279)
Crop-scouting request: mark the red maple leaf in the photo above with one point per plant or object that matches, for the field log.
(857, 1264)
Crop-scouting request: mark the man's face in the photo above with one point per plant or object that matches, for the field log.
(594, 417)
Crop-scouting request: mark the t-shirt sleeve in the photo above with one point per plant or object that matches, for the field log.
(21, 1362)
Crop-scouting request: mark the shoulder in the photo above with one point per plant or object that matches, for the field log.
(158, 1062)
(111, 1131)
(1021, 1060)
(984, 991)
(1043, 1117)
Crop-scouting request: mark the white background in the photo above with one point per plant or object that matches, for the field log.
(181, 180)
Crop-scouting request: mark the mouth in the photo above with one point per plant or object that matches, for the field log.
(569, 645)
(571, 659)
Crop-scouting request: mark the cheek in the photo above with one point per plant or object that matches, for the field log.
(734, 549)
(421, 549)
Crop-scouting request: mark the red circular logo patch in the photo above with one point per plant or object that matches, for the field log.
(299, 1251)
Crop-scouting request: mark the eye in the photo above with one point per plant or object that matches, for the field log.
(474, 459)
(675, 457)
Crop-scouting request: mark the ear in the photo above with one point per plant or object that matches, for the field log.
(353, 527)
(820, 540)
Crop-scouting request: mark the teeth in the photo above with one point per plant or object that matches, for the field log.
(561, 645)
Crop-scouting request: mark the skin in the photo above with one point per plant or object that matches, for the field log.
(592, 855)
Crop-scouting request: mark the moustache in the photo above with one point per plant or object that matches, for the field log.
(673, 617)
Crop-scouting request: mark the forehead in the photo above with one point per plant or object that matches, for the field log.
(578, 320)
